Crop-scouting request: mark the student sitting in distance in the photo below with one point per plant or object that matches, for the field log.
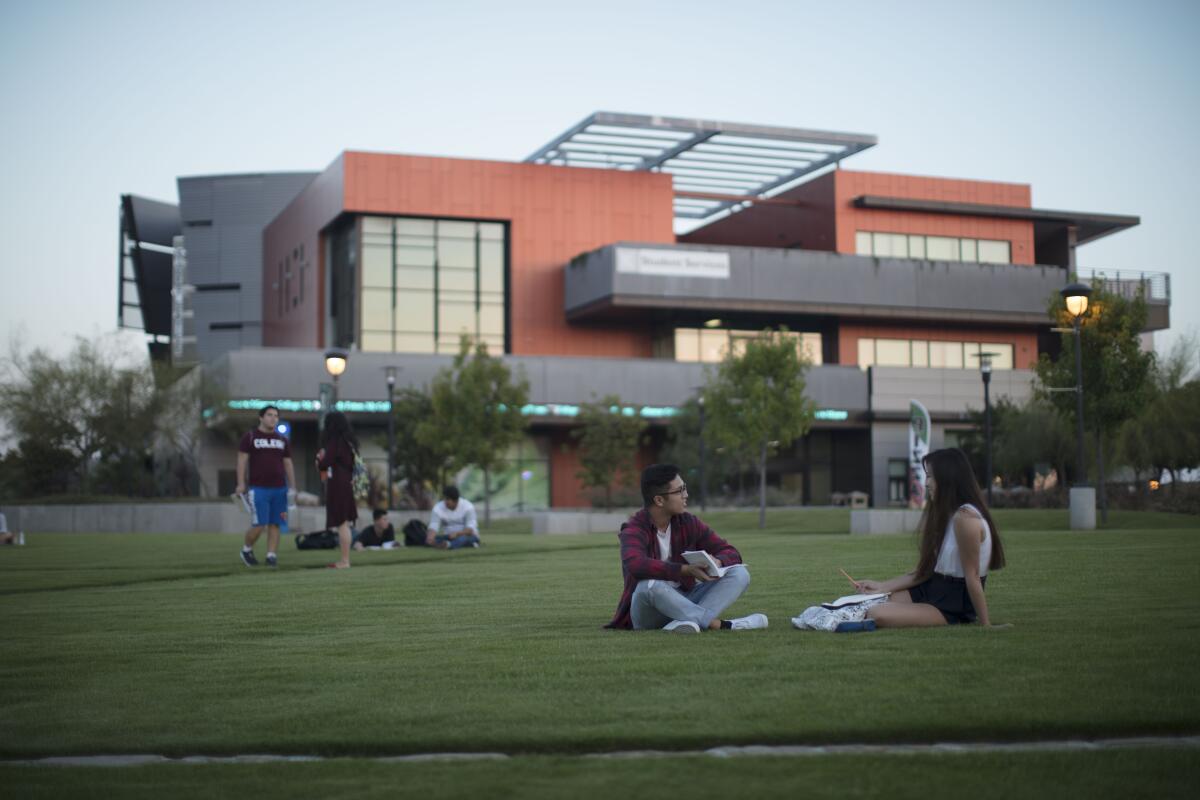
(959, 546)
(7, 536)
(379, 534)
(452, 522)
(662, 591)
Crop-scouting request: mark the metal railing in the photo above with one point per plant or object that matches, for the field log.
(1126, 283)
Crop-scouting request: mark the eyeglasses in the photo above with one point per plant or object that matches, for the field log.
(682, 490)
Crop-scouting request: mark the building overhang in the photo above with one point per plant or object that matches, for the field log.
(714, 165)
(627, 280)
(1089, 227)
(653, 389)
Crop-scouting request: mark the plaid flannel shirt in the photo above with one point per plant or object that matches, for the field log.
(640, 558)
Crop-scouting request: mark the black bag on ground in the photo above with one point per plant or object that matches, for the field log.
(318, 540)
(414, 533)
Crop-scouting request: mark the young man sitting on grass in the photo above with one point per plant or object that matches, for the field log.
(663, 591)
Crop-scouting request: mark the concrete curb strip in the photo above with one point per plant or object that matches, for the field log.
(733, 751)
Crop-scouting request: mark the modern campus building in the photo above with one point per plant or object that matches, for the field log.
(621, 258)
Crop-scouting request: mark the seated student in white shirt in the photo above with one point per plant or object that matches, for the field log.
(6, 536)
(452, 522)
(959, 546)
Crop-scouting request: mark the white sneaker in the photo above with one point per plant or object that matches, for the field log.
(684, 626)
(750, 623)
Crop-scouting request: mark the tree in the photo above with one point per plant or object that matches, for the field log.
(88, 406)
(683, 448)
(1023, 436)
(418, 460)
(1165, 434)
(608, 442)
(1117, 373)
(755, 400)
(476, 417)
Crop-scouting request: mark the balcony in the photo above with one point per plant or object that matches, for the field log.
(1155, 287)
(627, 279)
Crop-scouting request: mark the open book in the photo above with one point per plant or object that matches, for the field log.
(852, 600)
(703, 559)
(243, 501)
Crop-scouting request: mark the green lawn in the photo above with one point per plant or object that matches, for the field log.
(166, 644)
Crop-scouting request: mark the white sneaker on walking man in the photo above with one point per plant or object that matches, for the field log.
(662, 591)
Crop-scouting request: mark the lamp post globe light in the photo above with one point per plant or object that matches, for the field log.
(335, 365)
(1083, 497)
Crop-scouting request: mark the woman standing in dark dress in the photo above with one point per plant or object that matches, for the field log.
(335, 460)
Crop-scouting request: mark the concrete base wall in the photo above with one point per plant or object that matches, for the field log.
(165, 518)
(883, 520)
(551, 522)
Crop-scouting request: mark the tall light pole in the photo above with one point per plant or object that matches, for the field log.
(335, 365)
(703, 481)
(391, 388)
(985, 371)
(1076, 298)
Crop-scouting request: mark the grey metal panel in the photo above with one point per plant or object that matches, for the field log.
(203, 249)
(889, 440)
(195, 199)
(819, 282)
(229, 249)
(275, 372)
(944, 391)
(251, 335)
(156, 222)
(213, 344)
(241, 253)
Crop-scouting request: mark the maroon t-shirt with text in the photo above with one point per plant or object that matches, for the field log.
(267, 452)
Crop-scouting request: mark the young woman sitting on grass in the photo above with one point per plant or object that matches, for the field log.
(959, 546)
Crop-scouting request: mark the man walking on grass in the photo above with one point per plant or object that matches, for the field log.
(662, 590)
(267, 457)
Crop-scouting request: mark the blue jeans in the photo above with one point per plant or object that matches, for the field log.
(458, 541)
(657, 602)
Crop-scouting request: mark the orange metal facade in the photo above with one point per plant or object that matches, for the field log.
(850, 184)
(554, 213)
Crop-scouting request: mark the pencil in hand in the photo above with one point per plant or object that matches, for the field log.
(852, 581)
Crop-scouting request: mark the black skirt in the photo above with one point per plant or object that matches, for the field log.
(948, 595)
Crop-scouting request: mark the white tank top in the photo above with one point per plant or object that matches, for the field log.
(950, 562)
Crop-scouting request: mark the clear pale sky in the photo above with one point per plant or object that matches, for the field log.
(1095, 104)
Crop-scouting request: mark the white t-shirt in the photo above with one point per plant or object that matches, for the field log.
(664, 543)
(664, 548)
(443, 520)
(950, 562)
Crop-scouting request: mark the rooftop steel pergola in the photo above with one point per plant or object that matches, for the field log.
(715, 165)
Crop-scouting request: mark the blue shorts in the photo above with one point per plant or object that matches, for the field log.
(270, 505)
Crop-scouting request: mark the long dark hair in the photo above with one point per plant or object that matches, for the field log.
(954, 485)
(338, 427)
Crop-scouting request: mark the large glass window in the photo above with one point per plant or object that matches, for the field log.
(425, 282)
(923, 353)
(711, 345)
(935, 248)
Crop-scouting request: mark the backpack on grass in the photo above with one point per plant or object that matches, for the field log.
(318, 540)
(414, 533)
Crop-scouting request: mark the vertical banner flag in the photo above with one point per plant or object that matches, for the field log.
(918, 448)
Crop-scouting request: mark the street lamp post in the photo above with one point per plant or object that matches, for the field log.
(703, 481)
(1083, 502)
(985, 371)
(335, 365)
(391, 388)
